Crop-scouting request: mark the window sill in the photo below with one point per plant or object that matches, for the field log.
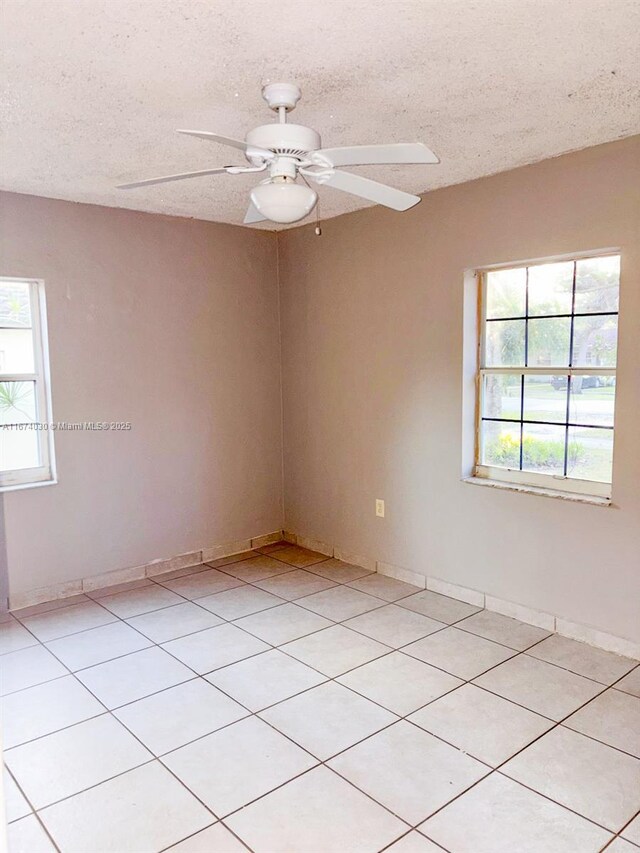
(537, 490)
(34, 485)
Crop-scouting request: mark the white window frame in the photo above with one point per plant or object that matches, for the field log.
(45, 473)
(555, 482)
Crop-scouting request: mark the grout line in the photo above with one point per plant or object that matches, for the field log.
(333, 679)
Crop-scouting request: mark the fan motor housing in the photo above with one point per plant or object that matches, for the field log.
(290, 140)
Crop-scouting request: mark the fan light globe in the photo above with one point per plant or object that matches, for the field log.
(284, 202)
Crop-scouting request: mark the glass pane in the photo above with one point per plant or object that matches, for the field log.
(17, 403)
(590, 454)
(592, 400)
(506, 293)
(16, 351)
(549, 342)
(595, 341)
(504, 343)
(597, 281)
(500, 444)
(543, 448)
(18, 449)
(15, 306)
(550, 288)
(501, 397)
(545, 398)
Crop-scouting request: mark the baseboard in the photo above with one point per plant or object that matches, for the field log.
(66, 589)
(549, 621)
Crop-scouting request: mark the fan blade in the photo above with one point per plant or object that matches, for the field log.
(226, 140)
(364, 188)
(167, 178)
(366, 155)
(253, 215)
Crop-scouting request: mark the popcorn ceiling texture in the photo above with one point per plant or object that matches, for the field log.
(93, 90)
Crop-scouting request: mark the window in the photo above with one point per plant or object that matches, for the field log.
(547, 374)
(26, 442)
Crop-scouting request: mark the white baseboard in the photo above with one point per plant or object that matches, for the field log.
(401, 574)
(548, 621)
(315, 545)
(66, 589)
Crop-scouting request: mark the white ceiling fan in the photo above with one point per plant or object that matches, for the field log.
(290, 150)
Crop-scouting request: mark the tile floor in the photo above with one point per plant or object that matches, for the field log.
(282, 702)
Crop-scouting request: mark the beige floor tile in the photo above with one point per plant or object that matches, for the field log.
(97, 645)
(483, 725)
(394, 626)
(68, 620)
(539, 686)
(586, 776)
(15, 804)
(399, 682)
(47, 606)
(142, 600)
(13, 637)
(67, 762)
(321, 811)
(459, 653)
(117, 682)
(340, 602)
(409, 771)
(500, 816)
(173, 622)
(439, 607)
(107, 591)
(215, 647)
(582, 659)
(265, 679)
(414, 842)
(174, 717)
(232, 767)
(174, 574)
(295, 584)
(503, 629)
(144, 810)
(339, 572)
(632, 831)
(257, 568)
(613, 718)
(335, 650)
(215, 839)
(283, 624)
(233, 558)
(619, 845)
(630, 683)
(46, 708)
(273, 546)
(299, 557)
(384, 587)
(202, 583)
(28, 667)
(238, 602)
(28, 836)
(327, 719)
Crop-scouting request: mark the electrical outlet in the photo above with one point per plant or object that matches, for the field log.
(379, 508)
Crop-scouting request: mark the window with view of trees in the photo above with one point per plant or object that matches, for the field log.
(547, 377)
(26, 444)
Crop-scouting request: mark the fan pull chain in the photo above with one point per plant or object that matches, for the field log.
(318, 229)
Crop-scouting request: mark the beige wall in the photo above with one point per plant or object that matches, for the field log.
(171, 324)
(372, 316)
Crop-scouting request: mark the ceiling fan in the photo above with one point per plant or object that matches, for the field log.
(292, 150)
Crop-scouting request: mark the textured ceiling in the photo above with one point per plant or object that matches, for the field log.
(93, 89)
